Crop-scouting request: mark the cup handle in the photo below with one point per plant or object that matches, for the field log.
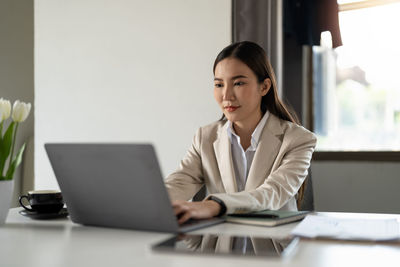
(22, 204)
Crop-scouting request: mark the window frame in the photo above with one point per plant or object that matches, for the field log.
(386, 156)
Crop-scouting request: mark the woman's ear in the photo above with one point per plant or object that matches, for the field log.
(266, 85)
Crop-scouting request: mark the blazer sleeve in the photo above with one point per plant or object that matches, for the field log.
(188, 179)
(282, 183)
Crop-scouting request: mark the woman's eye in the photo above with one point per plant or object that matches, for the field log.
(218, 85)
(238, 83)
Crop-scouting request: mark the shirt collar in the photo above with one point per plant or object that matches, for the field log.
(255, 136)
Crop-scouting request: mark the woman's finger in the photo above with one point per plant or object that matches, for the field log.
(185, 217)
(180, 208)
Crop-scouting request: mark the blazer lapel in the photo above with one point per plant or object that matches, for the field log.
(223, 153)
(267, 150)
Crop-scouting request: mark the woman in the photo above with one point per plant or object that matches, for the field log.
(256, 157)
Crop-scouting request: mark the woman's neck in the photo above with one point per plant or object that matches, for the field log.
(244, 129)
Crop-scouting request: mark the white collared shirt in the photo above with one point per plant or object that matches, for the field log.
(242, 159)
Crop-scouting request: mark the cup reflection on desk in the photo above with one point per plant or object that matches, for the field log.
(43, 201)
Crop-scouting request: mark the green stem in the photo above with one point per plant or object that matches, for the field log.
(1, 129)
(13, 145)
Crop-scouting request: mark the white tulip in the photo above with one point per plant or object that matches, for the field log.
(5, 109)
(20, 111)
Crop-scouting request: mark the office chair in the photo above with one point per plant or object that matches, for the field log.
(308, 199)
(201, 194)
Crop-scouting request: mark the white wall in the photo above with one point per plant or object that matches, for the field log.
(16, 77)
(356, 186)
(125, 71)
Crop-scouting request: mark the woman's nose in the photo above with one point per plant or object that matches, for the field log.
(228, 93)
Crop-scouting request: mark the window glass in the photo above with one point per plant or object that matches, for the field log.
(357, 86)
(340, 2)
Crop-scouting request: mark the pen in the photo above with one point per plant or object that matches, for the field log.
(255, 215)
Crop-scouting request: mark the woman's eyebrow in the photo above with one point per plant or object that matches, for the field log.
(238, 77)
(233, 78)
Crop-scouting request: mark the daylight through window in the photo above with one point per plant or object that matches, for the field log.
(357, 86)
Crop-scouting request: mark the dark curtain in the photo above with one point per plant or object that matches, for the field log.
(252, 22)
(306, 19)
(260, 21)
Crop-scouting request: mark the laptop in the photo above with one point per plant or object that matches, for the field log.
(116, 185)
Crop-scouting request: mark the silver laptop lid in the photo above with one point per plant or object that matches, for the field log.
(113, 185)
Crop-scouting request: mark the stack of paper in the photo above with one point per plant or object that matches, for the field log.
(314, 226)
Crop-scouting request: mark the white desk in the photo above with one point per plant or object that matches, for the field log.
(26, 242)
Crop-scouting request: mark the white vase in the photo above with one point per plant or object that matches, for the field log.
(6, 192)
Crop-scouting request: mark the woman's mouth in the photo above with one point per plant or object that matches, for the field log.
(231, 108)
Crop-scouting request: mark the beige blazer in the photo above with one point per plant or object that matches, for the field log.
(279, 167)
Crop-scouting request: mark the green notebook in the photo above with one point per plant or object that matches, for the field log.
(267, 217)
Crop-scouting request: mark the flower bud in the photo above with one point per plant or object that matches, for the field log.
(5, 109)
(20, 111)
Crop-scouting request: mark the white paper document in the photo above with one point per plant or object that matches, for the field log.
(314, 226)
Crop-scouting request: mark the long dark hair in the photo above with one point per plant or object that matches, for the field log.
(256, 59)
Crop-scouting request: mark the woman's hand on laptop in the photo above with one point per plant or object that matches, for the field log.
(185, 210)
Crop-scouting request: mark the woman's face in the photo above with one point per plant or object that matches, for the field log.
(238, 92)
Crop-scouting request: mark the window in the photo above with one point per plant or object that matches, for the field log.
(357, 86)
